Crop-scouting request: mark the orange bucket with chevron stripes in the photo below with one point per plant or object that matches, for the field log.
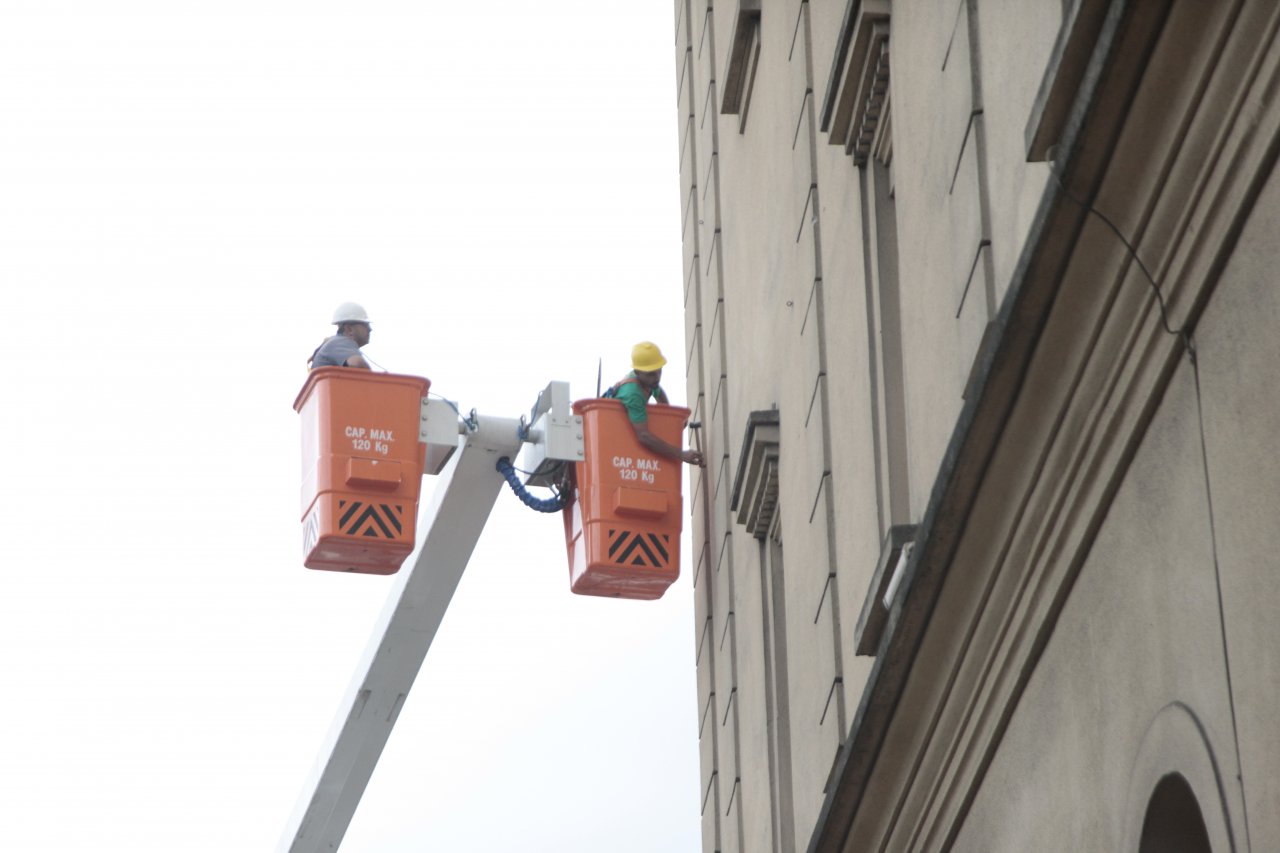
(362, 468)
(622, 529)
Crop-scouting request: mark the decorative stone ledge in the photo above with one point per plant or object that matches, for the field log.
(875, 610)
(755, 488)
(857, 95)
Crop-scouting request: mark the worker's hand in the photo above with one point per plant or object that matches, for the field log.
(693, 457)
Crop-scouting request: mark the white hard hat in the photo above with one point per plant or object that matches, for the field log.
(349, 312)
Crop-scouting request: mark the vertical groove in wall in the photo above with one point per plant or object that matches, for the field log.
(871, 276)
(980, 155)
(828, 497)
(777, 718)
(702, 527)
(719, 446)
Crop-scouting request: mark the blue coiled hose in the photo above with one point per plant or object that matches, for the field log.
(555, 504)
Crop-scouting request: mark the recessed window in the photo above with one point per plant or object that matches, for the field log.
(744, 54)
(755, 499)
(1173, 823)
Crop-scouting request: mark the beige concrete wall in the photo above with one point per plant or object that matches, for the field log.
(848, 388)
(770, 272)
(1015, 39)
(1140, 633)
(1164, 659)
(778, 317)
(962, 88)
(776, 310)
(758, 344)
(1239, 353)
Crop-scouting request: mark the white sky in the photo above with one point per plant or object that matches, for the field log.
(187, 189)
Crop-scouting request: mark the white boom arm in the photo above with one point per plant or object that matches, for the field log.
(414, 610)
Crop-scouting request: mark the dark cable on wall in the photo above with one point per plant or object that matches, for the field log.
(1189, 344)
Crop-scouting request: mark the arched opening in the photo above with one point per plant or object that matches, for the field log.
(1173, 823)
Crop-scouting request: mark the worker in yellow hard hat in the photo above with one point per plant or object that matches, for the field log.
(635, 391)
(343, 348)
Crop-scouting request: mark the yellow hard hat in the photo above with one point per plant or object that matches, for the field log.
(646, 357)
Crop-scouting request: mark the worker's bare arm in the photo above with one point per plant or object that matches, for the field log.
(662, 448)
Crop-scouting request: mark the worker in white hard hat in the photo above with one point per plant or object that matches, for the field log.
(343, 348)
(635, 391)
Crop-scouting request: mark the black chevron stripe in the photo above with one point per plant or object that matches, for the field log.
(370, 518)
(660, 546)
(355, 507)
(637, 542)
(648, 552)
(626, 552)
(393, 516)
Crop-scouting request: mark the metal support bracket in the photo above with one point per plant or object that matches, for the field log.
(438, 430)
(554, 437)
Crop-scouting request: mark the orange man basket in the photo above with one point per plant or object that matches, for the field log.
(622, 529)
(361, 468)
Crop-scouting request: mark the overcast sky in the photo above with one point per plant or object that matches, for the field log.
(187, 190)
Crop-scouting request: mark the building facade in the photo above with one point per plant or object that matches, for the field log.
(983, 334)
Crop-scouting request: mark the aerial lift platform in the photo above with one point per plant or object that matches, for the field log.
(361, 479)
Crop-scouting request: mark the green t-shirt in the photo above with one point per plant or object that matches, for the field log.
(635, 398)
